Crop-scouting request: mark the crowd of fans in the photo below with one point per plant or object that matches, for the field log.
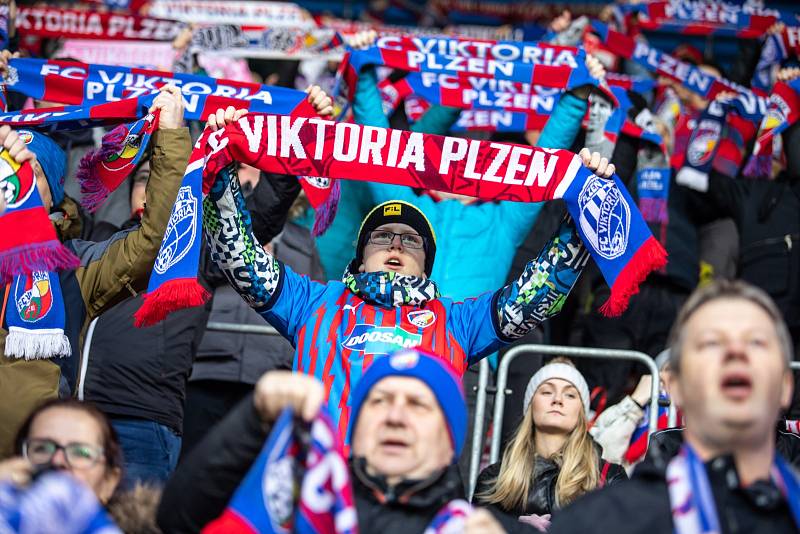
(158, 428)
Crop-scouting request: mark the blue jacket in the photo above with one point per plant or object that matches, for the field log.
(475, 243)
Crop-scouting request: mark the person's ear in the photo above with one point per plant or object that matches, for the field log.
(787, 388)
(362, 268)
(674, 389)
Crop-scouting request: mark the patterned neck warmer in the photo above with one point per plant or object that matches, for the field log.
(388, 290)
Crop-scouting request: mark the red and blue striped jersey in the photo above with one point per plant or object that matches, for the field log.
(337, 335)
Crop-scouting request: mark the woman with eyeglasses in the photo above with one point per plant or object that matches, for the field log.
(67, 435)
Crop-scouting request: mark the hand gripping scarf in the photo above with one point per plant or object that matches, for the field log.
(692, 501)
(783, 110)
(298, 483)
(96, 90)
(607, 219)
(524, 63)
(777, 47)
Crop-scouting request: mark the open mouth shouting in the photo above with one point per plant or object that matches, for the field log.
(736, 385)
(393, 263)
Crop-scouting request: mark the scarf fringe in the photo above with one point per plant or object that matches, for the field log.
(654, 210)
(34, 345)
(650, 256)
(325, 213)
(171, 296)
(758, 166)
(48, 256)
(93, 191)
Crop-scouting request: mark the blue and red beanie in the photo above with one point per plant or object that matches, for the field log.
(52, 159)
(435, 372)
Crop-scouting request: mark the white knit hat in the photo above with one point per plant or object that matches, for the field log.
(560, 370)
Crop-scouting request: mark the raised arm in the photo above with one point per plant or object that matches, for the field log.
(112, 270)
(540, 291)
(492, 320)
(283, 297)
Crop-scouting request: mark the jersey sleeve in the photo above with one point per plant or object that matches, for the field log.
(472, 323)
(294, 301)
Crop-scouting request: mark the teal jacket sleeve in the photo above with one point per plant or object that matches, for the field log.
(437, 120)
(560, 132)
(367, 101)
(562, 128)
(368, 110)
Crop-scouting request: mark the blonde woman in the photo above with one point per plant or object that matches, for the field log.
(552, 459)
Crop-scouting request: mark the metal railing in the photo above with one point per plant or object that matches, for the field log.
(264, 330)
(501, 392)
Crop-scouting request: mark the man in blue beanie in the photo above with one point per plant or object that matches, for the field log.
(410, 423)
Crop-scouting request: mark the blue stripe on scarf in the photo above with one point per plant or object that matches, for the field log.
(39, 79)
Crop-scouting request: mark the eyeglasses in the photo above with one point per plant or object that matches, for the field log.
(78, 455)
(385, 237)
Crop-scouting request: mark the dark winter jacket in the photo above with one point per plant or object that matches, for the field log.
(542, 495)
(142, 372)
(109, 272)
(641, 504)
(666, 444)
(204, 482)
(767, 215)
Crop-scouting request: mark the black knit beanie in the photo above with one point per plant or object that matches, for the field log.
(396, 211)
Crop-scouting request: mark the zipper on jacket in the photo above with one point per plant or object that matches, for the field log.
(87, 346)
(788, 239)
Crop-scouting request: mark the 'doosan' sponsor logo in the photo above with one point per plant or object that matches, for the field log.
(371, 339)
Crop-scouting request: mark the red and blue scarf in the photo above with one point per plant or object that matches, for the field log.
(53, 22)
(705, 18)
(107, 95)
(692, 501)
(28, 241)
(691, 77)
(523, 63)
(30, 255)
(102, 170)
(783, 110)
(299, 483)
(607, 219)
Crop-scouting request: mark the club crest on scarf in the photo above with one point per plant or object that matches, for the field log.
(703, 142)
(33, 296)
(16, 182)
(605, 217)
(130, 152)
(278, 484)
(180, 233)
(299, 483)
